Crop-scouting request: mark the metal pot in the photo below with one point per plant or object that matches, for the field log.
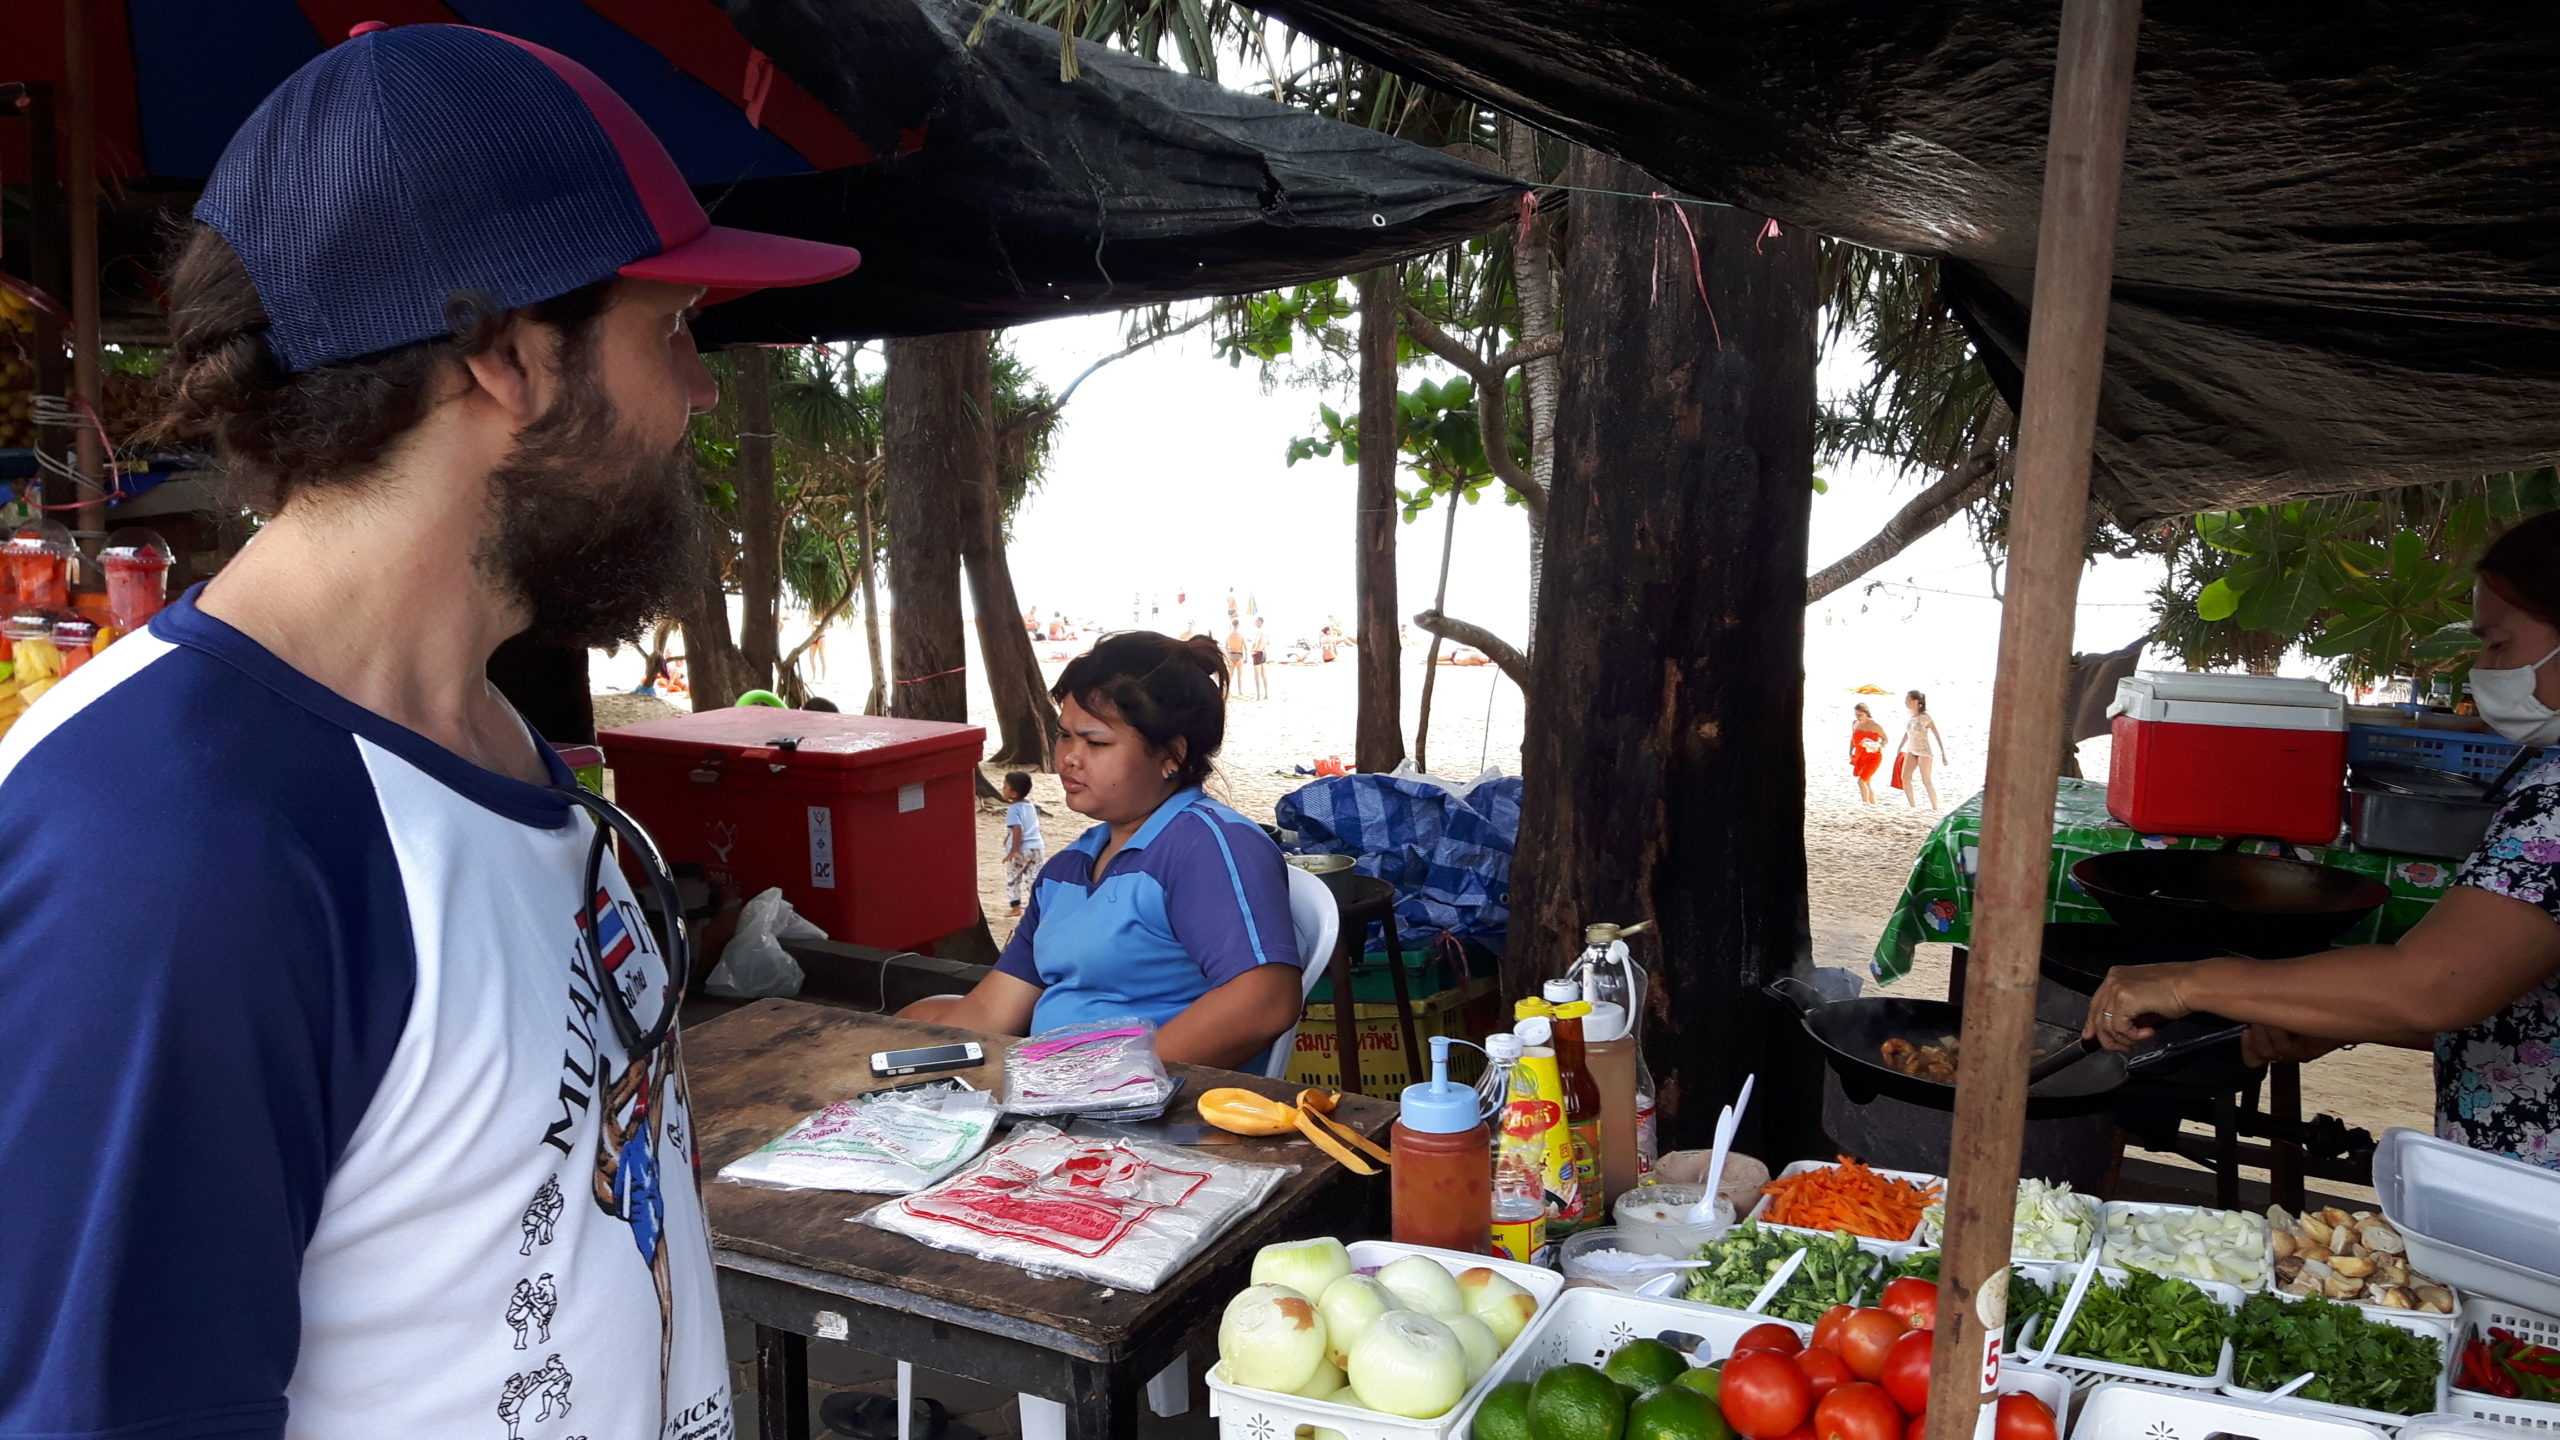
(2411, 810)
(2261, 905)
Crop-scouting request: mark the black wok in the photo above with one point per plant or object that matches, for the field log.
(1852, 1035)
(2261, 905)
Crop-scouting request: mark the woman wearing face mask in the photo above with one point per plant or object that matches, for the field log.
(2474, 981)
(1174, 908)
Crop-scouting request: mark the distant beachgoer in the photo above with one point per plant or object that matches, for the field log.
(1261, 655)
(1329, 639)
(1024, 850)
(1235, 652)
(1866, 751)
(1231, 605)
(1921, 743)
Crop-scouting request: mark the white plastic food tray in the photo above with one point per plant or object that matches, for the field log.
(2092, 1208)
(2281, 1294)
(1249, 1414)
(2133, 1211)
(2479, 1222)
(1585, 1326)
(2140, 1412)
(2058, 1278)
(2479, 1314)
(2438, 1328)
(1890, 1249)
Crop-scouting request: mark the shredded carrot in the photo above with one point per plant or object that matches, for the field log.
(1849, 1196)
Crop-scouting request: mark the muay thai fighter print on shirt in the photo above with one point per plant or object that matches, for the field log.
(312, 1121)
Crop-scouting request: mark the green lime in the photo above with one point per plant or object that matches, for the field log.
(1576, 1402)
(1705, 1380)
(1643, 1365)
(1504, 1415)
(1676, 1412)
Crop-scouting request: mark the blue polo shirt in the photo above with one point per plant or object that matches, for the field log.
(1196, 898)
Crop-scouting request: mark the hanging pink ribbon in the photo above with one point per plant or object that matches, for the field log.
(1768, 231)
(1697, 266)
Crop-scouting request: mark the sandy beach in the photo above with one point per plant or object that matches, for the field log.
(1858, 855)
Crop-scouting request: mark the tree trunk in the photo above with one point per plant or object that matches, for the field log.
(1379, 736)
(1025, 716)
(937, 444)
(1925, 512)
(1533, 280)
(877, 703)
(759, 520)
(1664, 754)
(715, 672)
(1431, 656)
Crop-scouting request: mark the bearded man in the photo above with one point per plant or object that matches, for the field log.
(306, 983)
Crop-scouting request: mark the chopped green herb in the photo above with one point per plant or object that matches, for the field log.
(2158, 1322)
(1835, 1271)
(2355, 1360)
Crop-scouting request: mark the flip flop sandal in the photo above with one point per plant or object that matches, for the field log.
(866, 1416)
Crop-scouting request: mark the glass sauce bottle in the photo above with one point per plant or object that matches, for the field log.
(1582, 1116)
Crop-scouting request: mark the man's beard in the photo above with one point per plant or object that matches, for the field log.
(596, 536)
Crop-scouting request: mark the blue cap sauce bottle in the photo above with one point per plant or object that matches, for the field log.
(1443, 1188)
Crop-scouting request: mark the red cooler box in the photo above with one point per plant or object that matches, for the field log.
(869, 824)
(2228, 755)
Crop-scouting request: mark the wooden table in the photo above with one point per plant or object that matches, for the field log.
(790, 1264)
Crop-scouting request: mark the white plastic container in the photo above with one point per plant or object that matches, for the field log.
(1585, 1326)
(1891, 1249)
(2129, 1211)
(1653, 1220)
(2480, 1314)
(2140, 1412)
(2478, 1222)
(2438, 1328)
(2058, 1277)
(1248, 1414)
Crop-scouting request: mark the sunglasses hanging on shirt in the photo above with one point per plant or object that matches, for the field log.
(674, 948)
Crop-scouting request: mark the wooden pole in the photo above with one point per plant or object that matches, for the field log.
(2066, 350)
(759, 518)
(1431, 656)
(81, 88)
(1378, 738)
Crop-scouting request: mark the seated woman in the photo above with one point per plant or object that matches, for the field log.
(1174, 908)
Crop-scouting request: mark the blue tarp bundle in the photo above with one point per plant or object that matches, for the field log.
(1446, 849)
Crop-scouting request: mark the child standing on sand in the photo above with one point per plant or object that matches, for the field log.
(1022, 844)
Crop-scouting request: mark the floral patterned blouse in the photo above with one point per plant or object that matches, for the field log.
(2498, 1082)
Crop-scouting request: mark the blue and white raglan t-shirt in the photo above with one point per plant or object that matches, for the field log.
(1197, 897)
(312, 1123)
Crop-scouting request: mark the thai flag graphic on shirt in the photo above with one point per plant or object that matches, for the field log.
(613, 937)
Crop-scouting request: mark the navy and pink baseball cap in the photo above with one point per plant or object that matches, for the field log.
(409, 165)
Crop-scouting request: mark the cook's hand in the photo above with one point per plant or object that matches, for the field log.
(2264, 1044)
(2131, 995)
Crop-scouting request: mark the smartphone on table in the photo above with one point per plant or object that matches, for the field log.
(927, 1059)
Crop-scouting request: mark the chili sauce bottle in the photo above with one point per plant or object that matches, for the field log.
(1582, 1116)
(1443, 1189)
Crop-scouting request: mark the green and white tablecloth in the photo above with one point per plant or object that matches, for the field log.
(1937, 903)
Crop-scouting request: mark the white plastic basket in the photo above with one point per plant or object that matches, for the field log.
(2131, 1209)
(2117, 1411)
(2366, 1305)
(2059, 1277)
(1248, 1414)
(2438, 1328)
(1888, 1248)
(2479, 1313)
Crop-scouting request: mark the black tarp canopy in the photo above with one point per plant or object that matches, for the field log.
(2338, 263)
(982, 189)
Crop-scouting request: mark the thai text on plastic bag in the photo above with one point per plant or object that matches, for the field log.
(754, 964)
(1100, 1065)
(886, 1143)
(1116, 1212)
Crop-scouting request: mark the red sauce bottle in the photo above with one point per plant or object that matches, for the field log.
(1443, 1186)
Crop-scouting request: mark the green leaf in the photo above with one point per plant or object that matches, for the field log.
(2218, 601)
(2447, 642)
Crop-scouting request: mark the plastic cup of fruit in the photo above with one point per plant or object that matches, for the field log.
(137, 564)
(76, 636)
(1655, 1219)
(39, 556)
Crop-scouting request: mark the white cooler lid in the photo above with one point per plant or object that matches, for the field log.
(2256, 701)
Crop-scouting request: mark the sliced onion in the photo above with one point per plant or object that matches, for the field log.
(1410, 1365)
(1306, 1266)
(1271, 1338)
(1349, 1306)
(1493, 1298)
(1422, 1283)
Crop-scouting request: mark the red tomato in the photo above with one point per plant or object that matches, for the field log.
(2022, 1417)
(1826, 1331)
(1764, 1395)
(1857, 1411)
(1823, 1370)
(1769, 1337)
(1911, 1300)
(1906, 1371)
(1919, 1428)
(1864, 1338)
